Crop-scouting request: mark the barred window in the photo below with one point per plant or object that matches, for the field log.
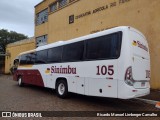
(42, 17)
(53, 7)
(42, 40)
(71, 1)
(62, 3)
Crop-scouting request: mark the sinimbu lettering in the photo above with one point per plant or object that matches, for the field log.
(63, 70)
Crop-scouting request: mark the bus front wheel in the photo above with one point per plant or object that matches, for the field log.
(62, 89)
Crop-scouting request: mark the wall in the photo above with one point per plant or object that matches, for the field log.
(15, 49)
(96, 15)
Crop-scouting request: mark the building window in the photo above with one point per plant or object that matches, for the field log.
(58, 4)
(71, 1)
(42, 40)
(42, 17)
(62, 3)
(71, 19)
(53, 7)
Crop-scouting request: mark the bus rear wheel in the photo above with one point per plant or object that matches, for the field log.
(20, 81)
(62, 89)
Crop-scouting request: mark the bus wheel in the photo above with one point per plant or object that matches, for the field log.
(62, 89)
(20, 81)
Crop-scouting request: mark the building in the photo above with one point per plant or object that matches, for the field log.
(57, 20)
(14, 49)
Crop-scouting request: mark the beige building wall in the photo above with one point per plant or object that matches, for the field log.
(96, 15)
(14, 49)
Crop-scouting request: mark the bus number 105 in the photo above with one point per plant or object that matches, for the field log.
(103, 70)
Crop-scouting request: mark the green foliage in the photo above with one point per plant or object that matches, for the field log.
(9, 37)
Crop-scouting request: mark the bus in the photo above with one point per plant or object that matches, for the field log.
(112, 63)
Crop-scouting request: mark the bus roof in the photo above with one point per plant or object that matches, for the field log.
(101, 33)
(98, 34)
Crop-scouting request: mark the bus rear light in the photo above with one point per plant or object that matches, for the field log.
(128, 77)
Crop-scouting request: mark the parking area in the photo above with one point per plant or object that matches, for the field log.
(32, 98)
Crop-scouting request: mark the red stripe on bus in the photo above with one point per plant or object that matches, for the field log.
(32, 77)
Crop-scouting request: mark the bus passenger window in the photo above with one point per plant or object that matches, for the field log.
(41, 57)
(104, 47)
(73, 52)
(54, 55)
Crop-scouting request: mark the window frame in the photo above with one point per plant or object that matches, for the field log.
(37, 15)
(43, 38)
(54, 3)
(61, 6)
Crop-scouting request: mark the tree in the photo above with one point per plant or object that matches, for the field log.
(9, 37)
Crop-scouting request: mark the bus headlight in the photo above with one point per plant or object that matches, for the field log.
(128, 77)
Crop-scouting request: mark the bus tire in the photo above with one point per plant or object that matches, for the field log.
(20, 81)
(62, 89)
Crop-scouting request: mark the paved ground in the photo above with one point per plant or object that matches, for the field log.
(154, 95)
(31, 98)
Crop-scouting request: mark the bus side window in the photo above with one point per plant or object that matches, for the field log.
(73, 52)
(116, 45)
(98, 48)
(104, 47)
(27, 59)
(30, 58)
(54, 55)
(41, 57)
(23, 59)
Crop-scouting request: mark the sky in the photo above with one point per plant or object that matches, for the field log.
(18, 15)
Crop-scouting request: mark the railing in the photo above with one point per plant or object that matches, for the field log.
(5, 54)
(57, 5)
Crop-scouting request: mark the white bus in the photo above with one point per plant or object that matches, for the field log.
(113, 63)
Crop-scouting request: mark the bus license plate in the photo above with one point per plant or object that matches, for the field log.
(142, 84)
